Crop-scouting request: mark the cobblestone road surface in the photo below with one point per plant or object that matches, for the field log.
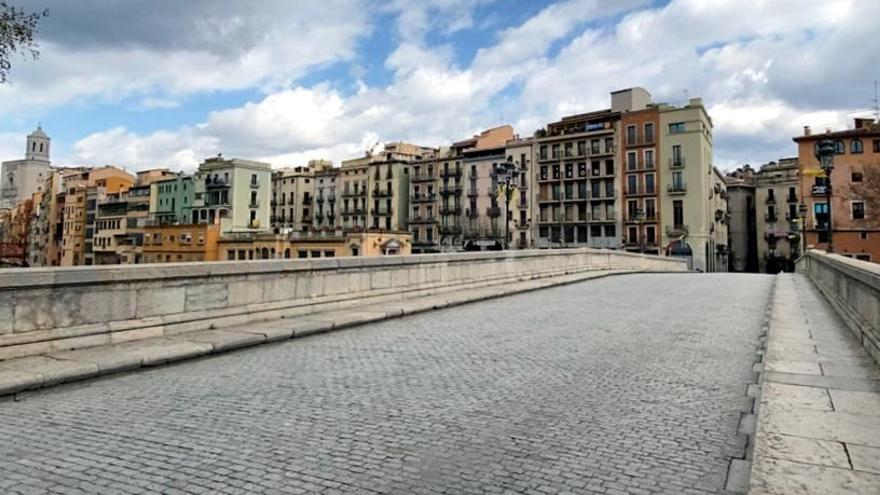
(629, 384)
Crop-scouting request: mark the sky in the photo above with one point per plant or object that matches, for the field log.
(163, 83)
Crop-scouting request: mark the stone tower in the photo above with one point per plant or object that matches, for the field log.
(37, 146)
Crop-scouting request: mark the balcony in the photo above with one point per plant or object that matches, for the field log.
(449, 173)
(217, 183)
(320, 199)
(348, 194)
(378, 193)
(450, 229)
(419, 220)
(384, 210)
(450, 210)
(677, 162)
(422, 177)
(254, 203)
(792, 198)
(472, 192)
(255, 185)
(254, 224)
(770, 218)
(450, 190)
(676, 230)
(770, 200)
(493, 211)
(307, 200)
(676, 188)
(423, 198)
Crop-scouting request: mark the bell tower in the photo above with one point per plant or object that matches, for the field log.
(37, 146)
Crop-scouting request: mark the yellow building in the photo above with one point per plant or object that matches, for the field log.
(180, 243)
(323, 245)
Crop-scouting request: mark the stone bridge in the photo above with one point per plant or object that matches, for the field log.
(571, 371)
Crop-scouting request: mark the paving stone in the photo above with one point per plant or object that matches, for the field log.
(805, 450)
(866, 403)
(561, 389)
(790, 478)
(864, 458)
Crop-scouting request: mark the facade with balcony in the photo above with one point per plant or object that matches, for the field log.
(640, 178)
(853, 191)
(777, 217)
(576, 178)
(293, 190)
(693, 206)
(235, 193)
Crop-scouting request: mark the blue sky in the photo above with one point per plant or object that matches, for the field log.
(121, 82)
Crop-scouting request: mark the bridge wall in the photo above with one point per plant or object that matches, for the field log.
(852, 287)
(52, 309)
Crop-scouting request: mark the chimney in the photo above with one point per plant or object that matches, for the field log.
(827, 130)
(807, 130)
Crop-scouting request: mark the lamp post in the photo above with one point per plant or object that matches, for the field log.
(639, 218)
(508, 176)
(825, 154)
(802, 210)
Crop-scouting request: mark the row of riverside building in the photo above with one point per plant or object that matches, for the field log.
(637, 176)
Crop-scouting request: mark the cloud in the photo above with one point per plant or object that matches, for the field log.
(110, 50)
(761, 80)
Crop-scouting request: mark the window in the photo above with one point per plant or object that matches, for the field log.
(609, 145)
(649, 183)
(302, 254)
(651, 235)
(863, 236)
(543, 175)
(676, 128)
(677, 181)
(877, 146)
(316, 254)
(594, 146)
(857, 177)
(856, 146)
(630, 135)
(329, 254)
(839, 147)
(632, 207)
(650, 209)
(858, 210)
(631, 184)
(677, 159)
(649, 132)
(632, 236)
(678, 213)
(631, 160)
(649, 159)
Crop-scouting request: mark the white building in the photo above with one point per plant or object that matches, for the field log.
(19, 179)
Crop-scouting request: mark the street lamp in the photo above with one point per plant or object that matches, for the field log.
(825, 154)
(507, 179)
(639, 218)
(802, 210)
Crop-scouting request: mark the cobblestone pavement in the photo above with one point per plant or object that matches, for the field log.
(629, 384)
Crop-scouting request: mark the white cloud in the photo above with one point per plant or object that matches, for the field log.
(227, 46)
(764, 69)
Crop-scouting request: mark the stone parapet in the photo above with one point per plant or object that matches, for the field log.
(45, 310)
(852, 287)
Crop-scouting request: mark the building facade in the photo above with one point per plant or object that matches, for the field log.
(776, 201)
(742, 229)
(853, 190)
(293, 191)
(687, 215)
(234, 193)
(180, 243)
(20, 179)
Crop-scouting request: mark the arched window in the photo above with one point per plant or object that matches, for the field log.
(839, 147)
(287, 253)
(41, 147)
(856, 146)
(264, 254)
(34, 146)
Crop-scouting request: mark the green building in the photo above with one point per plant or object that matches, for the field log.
(171, 200)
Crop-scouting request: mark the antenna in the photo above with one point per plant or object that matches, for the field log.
(686, 97)
(877, 101)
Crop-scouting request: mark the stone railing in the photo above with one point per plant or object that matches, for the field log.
(52, 309)
(852, 287)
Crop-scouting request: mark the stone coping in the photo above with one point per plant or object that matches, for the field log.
(54, 277)
(54, 368)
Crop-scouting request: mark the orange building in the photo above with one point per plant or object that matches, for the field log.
(640, 179)
(856, 228)
(179, 243)
(82, 191)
